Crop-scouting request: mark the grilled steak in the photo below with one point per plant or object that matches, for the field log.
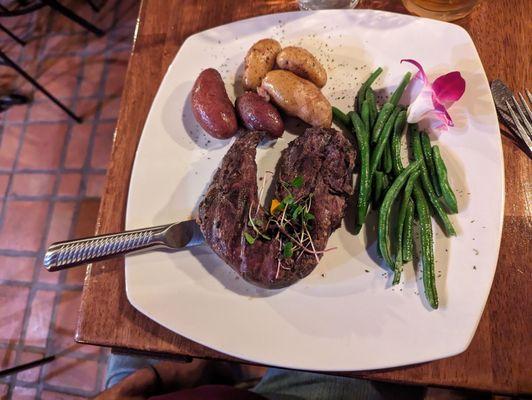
(323, 158)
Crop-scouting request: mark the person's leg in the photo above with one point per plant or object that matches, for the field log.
(279, 384)
(178, 372)
(120, 366)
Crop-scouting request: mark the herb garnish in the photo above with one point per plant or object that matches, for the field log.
(297, 182)
(250, 239)
(288, 250)
(290, 222)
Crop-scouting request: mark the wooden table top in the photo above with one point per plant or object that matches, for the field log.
(497, 357)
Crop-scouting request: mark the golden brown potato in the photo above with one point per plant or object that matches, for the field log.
(298, 97)
(302, 63)
(259, 60)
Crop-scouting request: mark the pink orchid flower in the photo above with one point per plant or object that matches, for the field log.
(436, 97)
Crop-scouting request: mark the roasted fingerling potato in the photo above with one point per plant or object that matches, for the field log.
(298, 97)
(302, 63)
(260, 59)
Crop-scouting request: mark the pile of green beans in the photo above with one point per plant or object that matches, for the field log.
(404, 221)
(386, 208)
(427, 185)
(383, 179)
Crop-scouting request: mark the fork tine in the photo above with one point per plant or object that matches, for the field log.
(528, 126)
(520, 129)
(527, 108)
(529, 96)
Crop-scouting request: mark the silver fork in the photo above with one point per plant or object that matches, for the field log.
(522, 118)
(517, 117)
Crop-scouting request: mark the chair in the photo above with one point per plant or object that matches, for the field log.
(23, 7)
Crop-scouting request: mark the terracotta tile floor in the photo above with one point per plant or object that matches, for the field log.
(51, 176)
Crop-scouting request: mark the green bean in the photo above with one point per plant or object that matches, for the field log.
(387, 165)
(386, 208)
(398, 267)
(441, 170)
(364, 114)
(383, 140)
(340, 116)
(377, 188)
(361, 95)
(396, 96)
(398, 127)
(385, 182)
(382, 118)
(425, 180)
(408, 232)
(362, 137)
(427, 153)
(372, 102)
(427, 250)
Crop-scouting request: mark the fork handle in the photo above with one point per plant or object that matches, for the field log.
(70, 253)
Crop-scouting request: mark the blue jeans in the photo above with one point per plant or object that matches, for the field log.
(281, 384)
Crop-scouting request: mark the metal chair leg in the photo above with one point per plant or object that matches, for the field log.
(95, 7)
(12, 35)
(23, 367)
(10, 63)
(73, 16)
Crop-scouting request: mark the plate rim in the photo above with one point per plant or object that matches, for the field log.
(467, 340)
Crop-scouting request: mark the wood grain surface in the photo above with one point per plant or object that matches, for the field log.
(497, 357)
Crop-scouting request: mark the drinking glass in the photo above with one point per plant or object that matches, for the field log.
(446, 10)
(326, 4)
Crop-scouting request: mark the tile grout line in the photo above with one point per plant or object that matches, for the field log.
(19, 146)
(58, 121)
(31, 295)
(72, 355)
(101, 94)
(51, 287)
(51, 207)
(111, 47)
(81, 192)
(17, 253)
(102, 354)
(14, 347)
(57, 198)
(45, 100)
(54, 388)
(81, 189)
(105, 72)
(100, 171)
(58, 294)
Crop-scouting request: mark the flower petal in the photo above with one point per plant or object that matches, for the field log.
(434, 99)
(421, 106)
(442, 114)
(421, 72)
(441, 111)
(449, 88)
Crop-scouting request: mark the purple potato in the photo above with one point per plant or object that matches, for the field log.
(211, 105)
(259, 115)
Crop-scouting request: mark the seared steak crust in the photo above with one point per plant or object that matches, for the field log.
(324, 158)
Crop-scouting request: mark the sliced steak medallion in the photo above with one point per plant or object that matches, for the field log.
(323, 158)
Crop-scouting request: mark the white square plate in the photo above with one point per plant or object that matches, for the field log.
(345, 315)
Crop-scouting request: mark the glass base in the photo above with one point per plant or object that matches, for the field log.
(440, 9)
(326, 4)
